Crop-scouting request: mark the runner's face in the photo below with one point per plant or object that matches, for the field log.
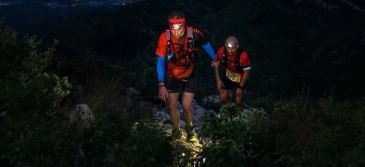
(178, 33)
(231, 50)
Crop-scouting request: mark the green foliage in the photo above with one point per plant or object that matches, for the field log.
(25, 84)
(327, 133)
(114, 141)
(236, 138)
(101, 144)
(148, 142)
(292, 123)
(33, 133)
(300, 133)
(340, 134)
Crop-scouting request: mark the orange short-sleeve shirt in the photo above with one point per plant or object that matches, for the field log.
(244, 60)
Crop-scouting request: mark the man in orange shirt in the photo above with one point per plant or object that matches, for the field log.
(179, 46)
(232, 71)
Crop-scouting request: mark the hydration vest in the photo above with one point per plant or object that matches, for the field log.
(189, 46)
(185, 71)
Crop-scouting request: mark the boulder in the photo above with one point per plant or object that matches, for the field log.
(145, 109)
(132, 93)
(211, 102)
(162, 115)
(127, 100)
(81, 114)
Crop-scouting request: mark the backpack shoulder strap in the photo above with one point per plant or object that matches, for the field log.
(189, 42)
(237, 60)
(168, 37)
(190, 32)
(168, 40)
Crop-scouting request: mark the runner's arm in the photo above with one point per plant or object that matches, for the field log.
(246, 67)
(209, 49)
(216, 71)
(244, 78)
(160, 62)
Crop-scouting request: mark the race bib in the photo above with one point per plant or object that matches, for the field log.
(233, 76)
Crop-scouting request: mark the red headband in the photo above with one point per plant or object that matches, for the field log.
(178, 22)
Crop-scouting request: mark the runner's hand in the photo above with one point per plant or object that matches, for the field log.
(163, 94)
(214, 64)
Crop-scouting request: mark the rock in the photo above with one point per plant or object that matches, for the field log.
(163, 113)
(211, 99)
(132, 93)
(199, 112)
(82, 115)
(248, 109)
(128, 101)
(145, 109)
(182, 124)
(168, 126)
(211, 102)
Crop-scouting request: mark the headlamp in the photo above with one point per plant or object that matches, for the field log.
(232, 42)
(230, 45)
(176, 24)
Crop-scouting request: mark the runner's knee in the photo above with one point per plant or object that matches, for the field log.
(186, 105)
(172, 106)
(223, 98)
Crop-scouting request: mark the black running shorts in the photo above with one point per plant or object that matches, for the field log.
(176, 86)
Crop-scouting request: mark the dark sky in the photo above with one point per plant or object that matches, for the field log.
(29, 16)
(66, 3)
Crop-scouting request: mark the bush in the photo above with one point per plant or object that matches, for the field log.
(113, 141)
(235, 138)
(148, 142)
(323, 133)
(25, 85)
(300, 133)
(33, 133)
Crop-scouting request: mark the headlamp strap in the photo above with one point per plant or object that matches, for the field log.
(177, 21)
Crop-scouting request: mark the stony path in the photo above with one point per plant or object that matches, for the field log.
(185, 153)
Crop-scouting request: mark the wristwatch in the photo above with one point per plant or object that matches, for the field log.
(161, 84)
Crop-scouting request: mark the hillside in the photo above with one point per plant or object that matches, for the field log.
(84, 92)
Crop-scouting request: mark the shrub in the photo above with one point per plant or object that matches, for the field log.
(33, 133)
(323, 133)
(148, 142)
(235, 138)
